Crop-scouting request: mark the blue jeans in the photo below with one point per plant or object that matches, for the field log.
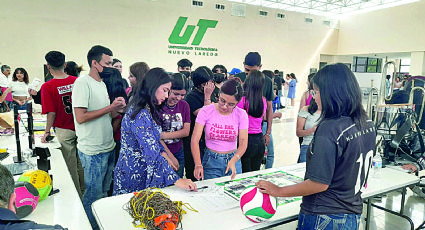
(276, 104)
(270, 148)
(21, 107)
(215, 164)
(10, 104)
(303, 154)
(179, 155)
(328, 222)
(97, 177)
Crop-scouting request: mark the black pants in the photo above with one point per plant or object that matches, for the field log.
(189, 164)
(251, 160)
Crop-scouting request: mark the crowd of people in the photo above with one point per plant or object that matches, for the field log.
(175, 128)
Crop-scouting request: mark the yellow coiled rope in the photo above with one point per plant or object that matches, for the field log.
(152, 209)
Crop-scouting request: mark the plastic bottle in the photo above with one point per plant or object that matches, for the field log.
(377, 165)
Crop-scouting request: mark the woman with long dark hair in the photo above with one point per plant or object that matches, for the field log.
(116, 88)
(19, 87)
(255, 105)
(226, 135)
(338, 158)
(138, 71)
(292, 83)
(308, 118)
(143, 162)
(175, 120)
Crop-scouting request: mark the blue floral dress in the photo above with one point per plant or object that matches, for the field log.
(140, 164)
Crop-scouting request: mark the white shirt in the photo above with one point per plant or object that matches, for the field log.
(19, 88)
(4, 81)
(95, 136)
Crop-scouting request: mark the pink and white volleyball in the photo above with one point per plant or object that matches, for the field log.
(256, 206)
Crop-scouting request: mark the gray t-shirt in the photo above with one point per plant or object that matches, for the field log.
(311, 120)
(95, 136)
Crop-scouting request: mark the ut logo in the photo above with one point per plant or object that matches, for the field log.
(203, 25)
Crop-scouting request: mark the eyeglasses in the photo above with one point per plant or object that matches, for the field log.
(222, 102)
(314, 92)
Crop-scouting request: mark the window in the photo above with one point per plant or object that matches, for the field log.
(280, 16)
(367, 65)
(263, 13)
(220, 7)
(197, 3)
(404, 66)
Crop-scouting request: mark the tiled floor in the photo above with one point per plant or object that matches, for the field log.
(286, 153)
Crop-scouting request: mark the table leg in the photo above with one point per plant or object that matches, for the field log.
(369, 202)
(403, 198)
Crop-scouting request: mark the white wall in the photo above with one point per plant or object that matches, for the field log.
(138, 30)
(396, 29)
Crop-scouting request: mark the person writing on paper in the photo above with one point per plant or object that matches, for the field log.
(338, 158)
(143, 162)
(225, 124)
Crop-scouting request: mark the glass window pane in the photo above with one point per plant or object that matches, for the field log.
(405, 69)
(361, 61)
(405, 62)
(361, 68)
(371, 69)
(372, 61)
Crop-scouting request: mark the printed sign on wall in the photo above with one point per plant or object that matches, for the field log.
(181, 44)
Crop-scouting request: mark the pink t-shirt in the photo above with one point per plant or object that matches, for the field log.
(221, 132)
(9, 95)
(254, 122)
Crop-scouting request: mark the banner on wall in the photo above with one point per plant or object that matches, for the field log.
(189, 43)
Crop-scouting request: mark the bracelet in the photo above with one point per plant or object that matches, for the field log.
(208, 100)
(268, 134)
(239, 157)
(47, 132)
(198, 166)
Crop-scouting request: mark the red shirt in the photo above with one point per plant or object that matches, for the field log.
(56, 97)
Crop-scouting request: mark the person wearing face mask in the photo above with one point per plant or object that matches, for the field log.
(175, 120)
(199, 96)
(218, 79)
(143, 162)
(93, 115)
(184, 66)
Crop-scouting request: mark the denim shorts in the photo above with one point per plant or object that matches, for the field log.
(328, 222)
(215, 164)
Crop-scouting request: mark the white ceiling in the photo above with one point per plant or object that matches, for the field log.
(328, 8)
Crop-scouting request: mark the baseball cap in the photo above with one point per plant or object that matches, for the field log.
(253, 59)
(235, 71)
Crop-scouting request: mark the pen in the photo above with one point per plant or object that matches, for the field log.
(203, 187)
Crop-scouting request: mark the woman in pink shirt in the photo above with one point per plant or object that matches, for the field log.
(255, 105)
(225, 124)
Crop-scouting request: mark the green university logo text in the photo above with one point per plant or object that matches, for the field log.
(179, 42)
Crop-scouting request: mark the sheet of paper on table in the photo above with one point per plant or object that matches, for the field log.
(235, 188)
(211, 197)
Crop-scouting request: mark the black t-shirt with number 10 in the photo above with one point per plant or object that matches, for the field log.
(340, 156)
